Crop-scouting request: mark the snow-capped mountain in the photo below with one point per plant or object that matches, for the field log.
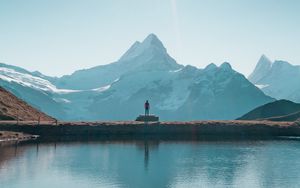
(38, 92)
(118, 90)
(42, 94)
(278, 79)
(141, 56)
(26, 79)
(184, 94)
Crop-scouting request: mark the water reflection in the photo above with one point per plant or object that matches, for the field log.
(9, 152)
(147, 146)
(146, 154)
(152, 164)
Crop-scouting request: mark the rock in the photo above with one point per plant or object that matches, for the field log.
(147, 118)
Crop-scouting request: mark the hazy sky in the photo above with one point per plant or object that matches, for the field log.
(58, 37)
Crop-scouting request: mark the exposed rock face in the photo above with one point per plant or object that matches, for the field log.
(12, 108)
(147, 118)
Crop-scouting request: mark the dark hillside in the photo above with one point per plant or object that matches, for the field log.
(273, 109)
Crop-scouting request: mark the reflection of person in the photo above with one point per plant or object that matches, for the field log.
(147, 108)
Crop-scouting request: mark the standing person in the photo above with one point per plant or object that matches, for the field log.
(147, 108)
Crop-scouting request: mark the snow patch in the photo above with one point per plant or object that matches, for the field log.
(101, 89)
(260, 86)
(28, 80)
(62, 100)
(178, 70)
(177, 97)
(104, 88)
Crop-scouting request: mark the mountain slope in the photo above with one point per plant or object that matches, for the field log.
(13, 108)
(278, 79)
(224, 94)
(38, 92)
(186, 94)
(271, 110)
(290, 117)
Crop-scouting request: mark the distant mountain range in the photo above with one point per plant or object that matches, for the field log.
(278, 79)
(13, 108)
(281, 110)
(117, 91)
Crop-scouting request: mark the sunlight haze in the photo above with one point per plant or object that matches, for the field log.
(59, 37)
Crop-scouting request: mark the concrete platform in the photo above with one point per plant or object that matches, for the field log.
(148, 118)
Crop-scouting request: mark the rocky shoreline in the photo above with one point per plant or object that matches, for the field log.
(11, 137)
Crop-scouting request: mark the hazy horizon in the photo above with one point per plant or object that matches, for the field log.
(60, 37)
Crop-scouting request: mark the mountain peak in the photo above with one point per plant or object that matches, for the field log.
(150, 45)
(264, 60)
(211, 66)
(153, 41)
(263, 56)
(282, 67)
(226, 66)
(281, 63)
(263, 65)
(151, 37)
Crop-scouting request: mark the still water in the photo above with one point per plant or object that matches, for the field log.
(153, 164)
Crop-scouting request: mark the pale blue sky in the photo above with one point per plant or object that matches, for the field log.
(58, 37)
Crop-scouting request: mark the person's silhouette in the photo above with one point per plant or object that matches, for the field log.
(147, 108)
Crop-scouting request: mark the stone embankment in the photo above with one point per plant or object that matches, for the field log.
(10, 137)
(134, 129)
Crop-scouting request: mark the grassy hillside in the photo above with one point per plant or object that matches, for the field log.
(12, 108)
(273, 110)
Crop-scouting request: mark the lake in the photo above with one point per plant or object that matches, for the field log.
(153, 164)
